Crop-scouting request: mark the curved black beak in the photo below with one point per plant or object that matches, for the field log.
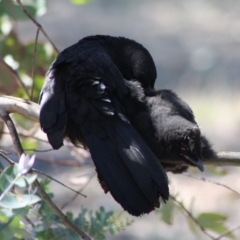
(197, 163)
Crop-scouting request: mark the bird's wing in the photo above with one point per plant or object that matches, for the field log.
(53, 113)
(92, 89)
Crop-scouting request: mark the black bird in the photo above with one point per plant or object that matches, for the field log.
(86, 98)
(168, 126)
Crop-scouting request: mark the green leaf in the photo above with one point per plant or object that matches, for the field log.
(25, 181)
(5, 232)
(45, 184)
(192, 226)
(6, 177)
(22, 234)
(18, 201)
(4, 224)
(209, 219)
(214, 222)
(21, 182)
(15, 228)
(79, 2)
(22, 212)
(30, 178)
(29, 145)
(166, 212)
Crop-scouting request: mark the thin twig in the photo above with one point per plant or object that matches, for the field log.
(59, 213)
(37, 24)
(31, 111)
(36, 150)
(211, 181)
(227, 232)
(11, 162)
(67, 145)
(66, 162)
(192, 217)
(34, 62)
(54, 179)
(3, 154)
(16, 75)
(80, 190)
(220, 159)
(12, 130)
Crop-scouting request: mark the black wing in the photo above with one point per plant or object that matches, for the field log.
(53, 113)
(89, 88)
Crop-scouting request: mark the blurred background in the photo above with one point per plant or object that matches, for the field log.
(195, 46)
(196, 49)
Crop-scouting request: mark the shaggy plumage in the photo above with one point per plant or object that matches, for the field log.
(86, 98)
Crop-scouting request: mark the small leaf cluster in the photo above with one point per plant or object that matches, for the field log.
(212, 221)
(97, 224)
(22, 215)
(16, 195)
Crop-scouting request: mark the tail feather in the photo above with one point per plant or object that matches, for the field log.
(147, 169)
(117, 177)
(124, 169)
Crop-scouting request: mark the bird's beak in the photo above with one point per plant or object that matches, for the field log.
(197, 163)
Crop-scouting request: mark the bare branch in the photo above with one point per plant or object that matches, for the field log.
(221, 159)
(31, 111)
(59, 213)
(12, 130)
(189, 214)
(11, 162)
(227, 232)
(37, 24)
(55, 180)
(225, 159)
(65, 162)
(211, 181)
(17, 105)
(76, 195)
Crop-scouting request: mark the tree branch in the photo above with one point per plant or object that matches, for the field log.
(190, 215)
(227, 232)
(31, 111)
(211, 181)
(21, 106)
(12, 130)
(4, 114)
(37, 24)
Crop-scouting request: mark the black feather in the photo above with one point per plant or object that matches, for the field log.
(84, 99)
(168, 126)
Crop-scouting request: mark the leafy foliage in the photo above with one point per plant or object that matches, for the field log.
(214, 221)
(166, 212)
(22, 216)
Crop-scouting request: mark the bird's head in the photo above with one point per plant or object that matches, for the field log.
(183, 141)
(190, 147)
